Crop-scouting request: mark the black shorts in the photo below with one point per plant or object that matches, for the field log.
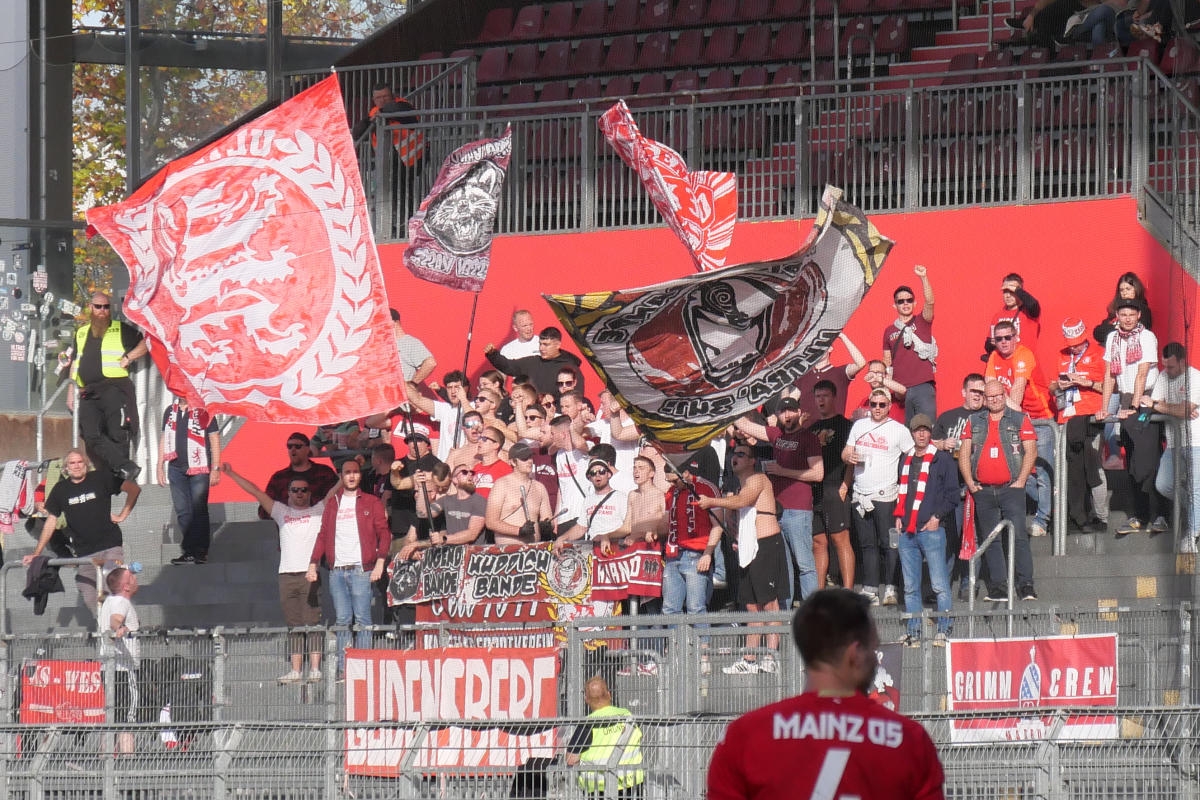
(764, 579)
(128, 700)
(832, 514)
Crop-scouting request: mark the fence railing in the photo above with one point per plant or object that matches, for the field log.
(231, 676)
(1153, 756)
(1016, 136)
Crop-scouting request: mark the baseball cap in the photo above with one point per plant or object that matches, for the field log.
(520, 452)
(1073, 331)
(920, 421)
(419, 433)
(788, 404)
(1129, 302)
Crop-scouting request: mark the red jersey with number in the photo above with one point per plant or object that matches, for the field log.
(825, 747)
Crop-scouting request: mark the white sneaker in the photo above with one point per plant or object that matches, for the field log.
(769, 665)
(292, 676)
(1187, 543)
(314, 676)
(889, 595)
(939, 640)
(741, 667)
(1037, 529)
(869, 593)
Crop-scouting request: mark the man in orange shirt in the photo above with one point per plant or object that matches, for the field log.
(1077, 391)
(1017, 368)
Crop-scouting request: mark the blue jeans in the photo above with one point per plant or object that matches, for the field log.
(684, 586)
(189, 495)
(797, 540)
(1097, 27)
(931, 545)
(920, 399)
(1040, 486)
(992, 504)
(1189, 505)
(351, 592)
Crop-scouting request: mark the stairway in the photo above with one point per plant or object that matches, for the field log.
(927, 65)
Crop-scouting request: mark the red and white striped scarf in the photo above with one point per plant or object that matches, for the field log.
(922, 479)
(1133, 349)
(197, 451)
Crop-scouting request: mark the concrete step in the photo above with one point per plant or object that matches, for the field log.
(931, 68)
(947, 52)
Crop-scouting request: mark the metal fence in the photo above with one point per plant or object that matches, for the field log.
(1152, 758)
(655, 665)
(1020, 135)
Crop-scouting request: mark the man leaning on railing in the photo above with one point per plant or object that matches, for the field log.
(1177, 395)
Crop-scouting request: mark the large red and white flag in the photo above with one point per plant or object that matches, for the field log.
(254, 273)
(450, 236)
(700, 207)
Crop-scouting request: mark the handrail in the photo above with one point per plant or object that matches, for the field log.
(1011, 558)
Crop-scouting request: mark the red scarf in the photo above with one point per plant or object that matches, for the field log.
(1133, 349)
(922, 479)
(969, 544)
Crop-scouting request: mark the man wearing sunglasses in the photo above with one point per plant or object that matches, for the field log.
(909, 349)
(108, 417)
(603, 508)
(299, 521)
(320, 477)
(491, 465)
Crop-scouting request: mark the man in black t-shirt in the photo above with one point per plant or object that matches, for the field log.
(947, 433)
(831, 506)
(92, 531)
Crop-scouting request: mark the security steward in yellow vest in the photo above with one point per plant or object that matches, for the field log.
(108, 418)
(611, 741)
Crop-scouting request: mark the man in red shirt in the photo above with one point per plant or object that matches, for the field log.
(1017, 368)
(909, 351)
(831, 741)
(1077, 391)
(996, 458)
(1021, 309)
(691, 540)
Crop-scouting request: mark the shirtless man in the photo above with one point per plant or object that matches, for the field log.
(467, 453)
(647, 504)
(486, 403)
(518, 507)
(761, 553)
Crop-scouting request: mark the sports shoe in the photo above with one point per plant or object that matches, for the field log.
(1027, 592)
(292, 676)
(769, 665)
(741, 667)
(998, 594)
(869, 593)
(1160, 525)
(940, 639)
(1015, 23)
(912, 640)
(314, 676)
(1095, 526)
(188, 558)
(889, 595)
(1132, 525)
(1037, 529)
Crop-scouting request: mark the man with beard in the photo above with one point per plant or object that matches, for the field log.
(542, 369)
(518, 508)
(796, 465)
(759, 756)
(464, 511)
(319, 477)
(947, 436)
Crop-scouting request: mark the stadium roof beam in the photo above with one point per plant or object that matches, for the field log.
(205, 50)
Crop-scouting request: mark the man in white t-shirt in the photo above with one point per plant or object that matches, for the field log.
(873, 451)
(526, 344)
(1131, 355)
(448, 414)
(570, 463)
(604, 510)
(618, 429)
(1177, 394)
(119, 618)
(299, 523)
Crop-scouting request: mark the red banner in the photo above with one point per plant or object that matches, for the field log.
(634, 570)
(460, 684)
(1032, 676)
(450, 236)
(254, 274)
(62, 692)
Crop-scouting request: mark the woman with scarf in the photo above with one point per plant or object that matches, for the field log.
(190, 464)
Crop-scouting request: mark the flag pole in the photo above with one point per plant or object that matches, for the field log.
(470, 331)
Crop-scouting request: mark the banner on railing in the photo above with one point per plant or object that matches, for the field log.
(62, 692)
(1033, 676)
(484, 625)
(511, 687)
(478, 575)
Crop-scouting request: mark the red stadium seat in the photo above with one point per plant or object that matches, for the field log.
(1178, 58)
(622, 53)
(624, 16)
(857, 37)
(653, 83)
(655, 15)
(790, 43)
(686, 80)
(721, 12)
(754, 10)
(588, 57)
(655, 52)
(719, 79)
(593, 15)
(618, 86)
(528, 23)
(790, 9)
(1143, 48)
(688, 49)
(554, 92)
(755, 44)
(960, 62)
(556, 60)
(521, 94)
(823, 38)
(492, 65)
(489, 95)
(786, 81)
(997, 62)
(559, 19)
(1034, 57)
(523, 64)
(750, 83)
(892, 35)
(587, 88)
(721, 46)
(689, 13)
(497, 25)
(999, 112)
